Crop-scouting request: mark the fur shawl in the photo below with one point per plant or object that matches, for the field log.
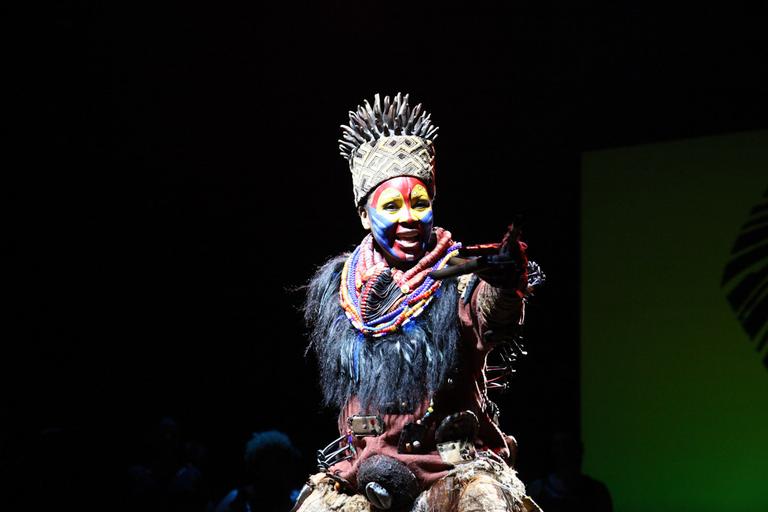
(406, 366)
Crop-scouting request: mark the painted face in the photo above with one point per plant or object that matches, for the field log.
(400, 213)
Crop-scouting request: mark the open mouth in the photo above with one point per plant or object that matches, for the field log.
(407, 244)
(408, 239)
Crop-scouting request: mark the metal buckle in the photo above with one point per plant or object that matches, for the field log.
(364, 426)
(457, 452)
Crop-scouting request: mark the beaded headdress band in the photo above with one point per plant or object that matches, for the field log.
(386, 141)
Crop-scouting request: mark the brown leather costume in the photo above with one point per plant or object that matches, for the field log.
(467, 392)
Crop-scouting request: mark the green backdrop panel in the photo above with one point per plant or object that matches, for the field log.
(674, 391)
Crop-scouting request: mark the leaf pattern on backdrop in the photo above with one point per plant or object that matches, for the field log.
(745, 277)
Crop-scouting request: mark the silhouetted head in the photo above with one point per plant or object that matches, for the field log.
(270, 460)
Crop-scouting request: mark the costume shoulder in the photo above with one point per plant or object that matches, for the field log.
(323, 289)
(329, 331)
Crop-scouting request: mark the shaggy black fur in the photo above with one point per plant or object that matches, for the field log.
(404, 366)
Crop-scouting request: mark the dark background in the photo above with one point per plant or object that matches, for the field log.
(180, 178)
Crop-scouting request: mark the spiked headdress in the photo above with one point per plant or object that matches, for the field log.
(385, 141)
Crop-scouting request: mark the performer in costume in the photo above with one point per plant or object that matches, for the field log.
(402, 343)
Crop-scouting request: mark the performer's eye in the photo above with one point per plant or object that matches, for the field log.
(391, 206)
(422, 204)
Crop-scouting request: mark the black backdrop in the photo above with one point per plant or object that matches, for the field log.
(180, 177)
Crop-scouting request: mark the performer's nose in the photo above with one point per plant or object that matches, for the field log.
(406, 215)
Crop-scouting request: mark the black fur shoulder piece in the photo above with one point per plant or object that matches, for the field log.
(405, 366)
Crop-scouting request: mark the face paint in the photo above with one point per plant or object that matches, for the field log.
(400, 212)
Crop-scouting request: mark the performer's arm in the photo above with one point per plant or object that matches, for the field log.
(493, 300)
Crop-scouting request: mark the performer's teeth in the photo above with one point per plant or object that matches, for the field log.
(408, 243)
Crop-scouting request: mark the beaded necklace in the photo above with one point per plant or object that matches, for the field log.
(366, 267)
